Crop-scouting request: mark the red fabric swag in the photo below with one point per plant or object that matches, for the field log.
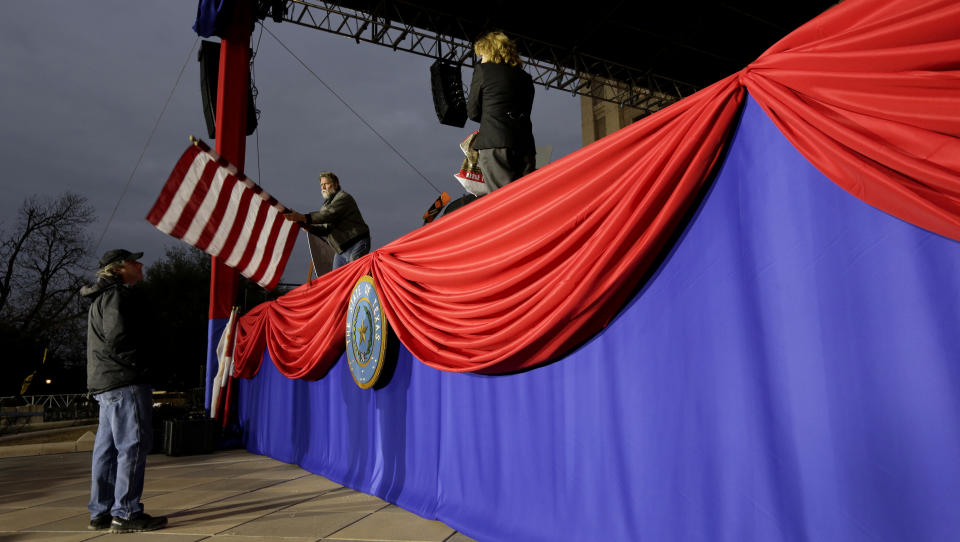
(869, 92)
(304, 329)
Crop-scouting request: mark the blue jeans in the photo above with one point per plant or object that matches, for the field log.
(356, 250)
(124, 438)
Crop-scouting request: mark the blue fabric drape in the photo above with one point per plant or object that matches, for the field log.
(212, 17)
(790, 372)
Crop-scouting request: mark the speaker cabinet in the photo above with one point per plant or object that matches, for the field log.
(448, 93)
(209, 57)
(190, 437)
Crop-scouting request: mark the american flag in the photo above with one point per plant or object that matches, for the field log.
(209, 205)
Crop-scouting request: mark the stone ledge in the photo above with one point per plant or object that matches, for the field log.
(82, 444)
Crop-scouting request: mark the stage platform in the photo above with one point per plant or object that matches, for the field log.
(228, 495)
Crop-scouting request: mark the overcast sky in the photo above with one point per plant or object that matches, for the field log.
(84, 82)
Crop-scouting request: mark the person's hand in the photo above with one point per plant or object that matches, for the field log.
(295, 217)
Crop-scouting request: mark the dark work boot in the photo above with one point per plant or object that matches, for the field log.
(99, 523)
(138, 523)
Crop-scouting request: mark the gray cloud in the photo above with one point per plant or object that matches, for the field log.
(84, 84)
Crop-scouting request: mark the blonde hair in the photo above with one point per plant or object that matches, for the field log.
(496, 47)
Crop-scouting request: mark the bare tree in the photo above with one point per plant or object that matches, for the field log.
(43, 262)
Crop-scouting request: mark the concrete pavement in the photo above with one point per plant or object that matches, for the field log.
(229, 495)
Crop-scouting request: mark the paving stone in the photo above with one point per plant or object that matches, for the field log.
(341, 500)
(308, 483)
(275, 473)
(160, 483)
(154, 536)
(30, 517)
(258, 500)
(34, 497)
(51, 537)
(76, 500)
(210, 520)
(75, 523)
(306, 523)
(242, 484)
(394, 524)
(186, 499)
(231, 495)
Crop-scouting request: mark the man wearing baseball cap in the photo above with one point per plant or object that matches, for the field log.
(117, 379)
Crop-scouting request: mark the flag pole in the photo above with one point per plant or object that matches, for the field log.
(233, 85)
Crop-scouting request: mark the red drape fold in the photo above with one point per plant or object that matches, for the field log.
(304, 329)
(868, 92)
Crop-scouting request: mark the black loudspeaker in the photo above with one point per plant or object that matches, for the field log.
(448, 93)
(190, 437)
(209, 57)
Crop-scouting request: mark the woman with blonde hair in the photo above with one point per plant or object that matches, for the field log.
(501, 98)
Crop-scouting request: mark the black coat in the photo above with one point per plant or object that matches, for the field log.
(116, 333)
(501, 98)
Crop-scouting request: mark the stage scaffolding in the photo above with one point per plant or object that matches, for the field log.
(398, 26)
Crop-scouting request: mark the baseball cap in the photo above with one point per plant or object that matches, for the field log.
(118, 255)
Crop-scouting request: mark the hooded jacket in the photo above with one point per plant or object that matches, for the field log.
(115, 333)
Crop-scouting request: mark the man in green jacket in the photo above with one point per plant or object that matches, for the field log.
(338, 221)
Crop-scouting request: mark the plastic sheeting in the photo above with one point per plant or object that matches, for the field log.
(789, 373)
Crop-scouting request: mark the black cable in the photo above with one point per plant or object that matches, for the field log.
(352, 110)
(146, 145)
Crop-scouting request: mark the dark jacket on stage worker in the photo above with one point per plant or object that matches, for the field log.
(501, 99)
(339, 221)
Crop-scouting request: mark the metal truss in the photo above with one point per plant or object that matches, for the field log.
(387, 25)
(61, 400)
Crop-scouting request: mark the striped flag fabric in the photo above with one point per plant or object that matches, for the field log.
(224, 366)
(211, 206)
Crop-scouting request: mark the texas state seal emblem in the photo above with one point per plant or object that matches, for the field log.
(366, 333)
